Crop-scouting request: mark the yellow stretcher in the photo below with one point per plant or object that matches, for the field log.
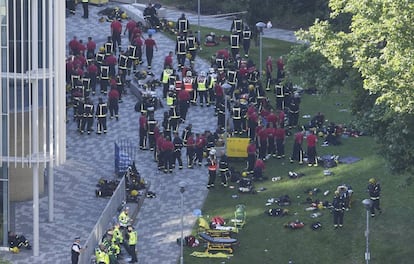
(218, 243)
(204, 227)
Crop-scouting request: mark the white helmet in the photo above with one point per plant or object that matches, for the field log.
(203, 73)
(188, 73)
(212, 151)
(211, 70)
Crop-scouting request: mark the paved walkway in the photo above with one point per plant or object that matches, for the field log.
(222, 23)
(91, 157)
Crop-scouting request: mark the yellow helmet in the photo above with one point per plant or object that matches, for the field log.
(244, 174)
(251, 87)
(372, 181)
(320, 134)
(124, 15)
(336, 193)
(170, 23)
(134, 193)
(102, 49)
(188, 56)
(15, 250)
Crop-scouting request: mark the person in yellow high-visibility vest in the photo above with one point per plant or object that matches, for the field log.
(117, 236)
(165, 79)
(132, 238)
(202, 89)
(124, 218)
(101, 255)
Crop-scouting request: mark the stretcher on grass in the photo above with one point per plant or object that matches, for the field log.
(218, 243)
(218, 231)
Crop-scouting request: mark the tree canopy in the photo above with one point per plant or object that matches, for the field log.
(378, 43)
(367, 45)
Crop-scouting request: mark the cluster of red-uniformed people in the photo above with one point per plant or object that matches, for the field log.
(232, 80)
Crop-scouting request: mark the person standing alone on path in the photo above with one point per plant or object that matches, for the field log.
(76, 250)
(338, 210)
(116, 30)
(132, 238)
(374, 190)
(85, 5)
(311, 141)
(149, 49)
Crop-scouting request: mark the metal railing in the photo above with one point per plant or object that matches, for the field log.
(104, 222)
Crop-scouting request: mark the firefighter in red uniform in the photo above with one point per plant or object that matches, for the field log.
(92, 75)
(183, 103)
(258, 170)
(116, 31)
(297, 153)
(269, 71)
(90, 48)
(190, 143)
(130, 26)
(311, 141)
(199, 148)
(168, 60)
(252, 123)
(143, 131)
(113, 99)
(262, 142)
(251, 156)
(150, 44)
(74, 46)
(271, 140)
(138, 43)
(272, 118)
(280, 135)
(168, 148)
(159, 152)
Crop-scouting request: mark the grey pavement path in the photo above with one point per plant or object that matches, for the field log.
(222, 23)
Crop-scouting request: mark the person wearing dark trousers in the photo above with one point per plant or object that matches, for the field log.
(190, 144)
(113, 103)
(70, 5)
(178, 145)
(149, 49)
(338, 210)
(132, 239)
(251, 156)
(76, 250)
(374, 190)
(311, 140)
(143, 131)
(101, 112)
(85, 5)
(87, 120)
(224, 170)
(168, 148)
(297, 153)
(212, 169)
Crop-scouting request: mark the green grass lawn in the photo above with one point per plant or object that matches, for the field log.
(264, 239)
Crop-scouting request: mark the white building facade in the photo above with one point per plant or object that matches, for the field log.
(32, 104)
